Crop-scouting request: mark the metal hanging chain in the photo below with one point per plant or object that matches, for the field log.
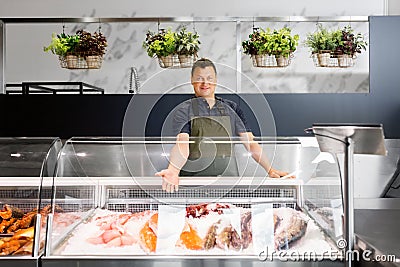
(194, 28)
(317, 24)
(63, 28)
(289, 24)
(99, 25)
(254, 27)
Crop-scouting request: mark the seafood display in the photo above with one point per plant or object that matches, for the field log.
(210, 229)
(19, 244)
(17, 231)
(290, 228)
(120, 229)
(17, 228)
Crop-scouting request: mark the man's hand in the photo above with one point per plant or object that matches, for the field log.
(257, 153)
(170, 180)
(272, 173)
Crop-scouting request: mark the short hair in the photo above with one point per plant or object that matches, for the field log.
(203, 63)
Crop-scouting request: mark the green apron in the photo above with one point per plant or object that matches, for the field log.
(205, 157)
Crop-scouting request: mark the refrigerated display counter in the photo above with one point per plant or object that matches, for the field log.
(116, 212)
(25, 164)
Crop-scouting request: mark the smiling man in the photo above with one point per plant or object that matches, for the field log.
(203, 118)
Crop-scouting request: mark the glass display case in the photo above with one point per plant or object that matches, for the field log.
(117, 211)
(26, 168)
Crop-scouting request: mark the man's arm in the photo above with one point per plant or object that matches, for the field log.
(258, 155)
(177, 159)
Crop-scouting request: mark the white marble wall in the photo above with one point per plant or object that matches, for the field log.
(302, 76)
(26, 61)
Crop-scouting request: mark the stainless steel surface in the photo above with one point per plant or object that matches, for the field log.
(2, 57)
(183, 261)
(348, 200)
(377, 203)
(20, 261)
(372, 173)
(134, 81)
(350, 140)
(367, 139)
(378, 231)
(184, 19)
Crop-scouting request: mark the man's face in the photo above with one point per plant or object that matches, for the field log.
(204, 81)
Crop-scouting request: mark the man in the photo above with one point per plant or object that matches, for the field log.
(206, 116)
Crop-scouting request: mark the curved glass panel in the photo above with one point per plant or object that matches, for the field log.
(110, 198)
(26, 168)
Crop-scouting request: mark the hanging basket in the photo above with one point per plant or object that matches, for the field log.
(271, 61)
(329, 60)
(81, 61)
(186, 61)
(174, 61)
(346, 61)
(63, 61)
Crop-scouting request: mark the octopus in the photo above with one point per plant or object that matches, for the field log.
(245, 240)
(224, 236)
(200, 210)
(211, 237)
(220, 235)
(223, 239)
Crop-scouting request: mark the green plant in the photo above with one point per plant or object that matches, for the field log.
(160, 44)
(62, 44)
(90, 44)
(255, 45)
(277, 42)
(350, 43)
(187, 43)
(323, 39)
(282, 43)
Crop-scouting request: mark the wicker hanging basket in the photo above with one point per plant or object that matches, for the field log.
(81, 61)
(271, 61)
(345, 61)
(176, 61)
(329, 60)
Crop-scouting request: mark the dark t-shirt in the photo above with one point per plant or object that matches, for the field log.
(184, 112)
